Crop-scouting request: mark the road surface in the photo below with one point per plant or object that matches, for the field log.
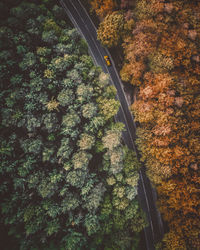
(147, 196)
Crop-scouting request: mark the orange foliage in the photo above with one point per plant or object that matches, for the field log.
(162, 57)
(102, 7)
(181, 209)
(174, 240)
(133, 71)
(142, 45)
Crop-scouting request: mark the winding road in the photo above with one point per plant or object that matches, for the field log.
(147, 195)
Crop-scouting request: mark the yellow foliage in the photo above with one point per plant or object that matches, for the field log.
(48, 74)
(110, 30)
(102, 7)
(52, 104)
(174, 241)
(51, 25)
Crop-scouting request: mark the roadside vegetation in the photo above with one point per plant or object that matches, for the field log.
(160, 42)
(67, 180)
(161, 59)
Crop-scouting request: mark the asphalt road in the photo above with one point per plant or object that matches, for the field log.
(147, 196)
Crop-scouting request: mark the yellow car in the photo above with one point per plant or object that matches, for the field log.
(108, 62)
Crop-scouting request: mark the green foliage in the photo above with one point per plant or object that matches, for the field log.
(95, 197)
(108, 107)
(95, 124)
(73, 240)
(46, 189)
(50, 25)
(84, 93)
(69, 122)
(21, 50)
(32, 145)
(70, 202)
(76, 178)
(86, 141)
(32, 123)
(112, 139)
(43, 51)
(91, 224)
(33, 27)
(66, 97)
(47, 153)
(28, 61)
(49, 37)
(81, 159)
(50, 122)
(64, 171)
(62, 49)
(61, 63)
(17, 12)
(89, 110)
(65, 150)
(52, 227)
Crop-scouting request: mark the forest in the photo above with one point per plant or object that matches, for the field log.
(67, 181)
(160, 44)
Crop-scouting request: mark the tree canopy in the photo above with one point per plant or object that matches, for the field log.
(62, 185)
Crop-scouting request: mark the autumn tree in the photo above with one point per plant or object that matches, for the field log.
(161, 60)
(102, 8)
(111, 30)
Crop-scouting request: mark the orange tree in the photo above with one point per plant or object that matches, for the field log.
(162, 60)
(102, 7)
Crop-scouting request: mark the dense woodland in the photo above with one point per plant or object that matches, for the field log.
(161, 49)
(66, 179)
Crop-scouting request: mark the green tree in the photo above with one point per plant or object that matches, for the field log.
(49, 37)
(84, 93)
(94, 199)
(65, 150)
(86, 141)
(89, 110)
(112, 139)
(108, 107)
(28, 61)
(81, 160)
(57, 113)
(66, 97)
(91, 224)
